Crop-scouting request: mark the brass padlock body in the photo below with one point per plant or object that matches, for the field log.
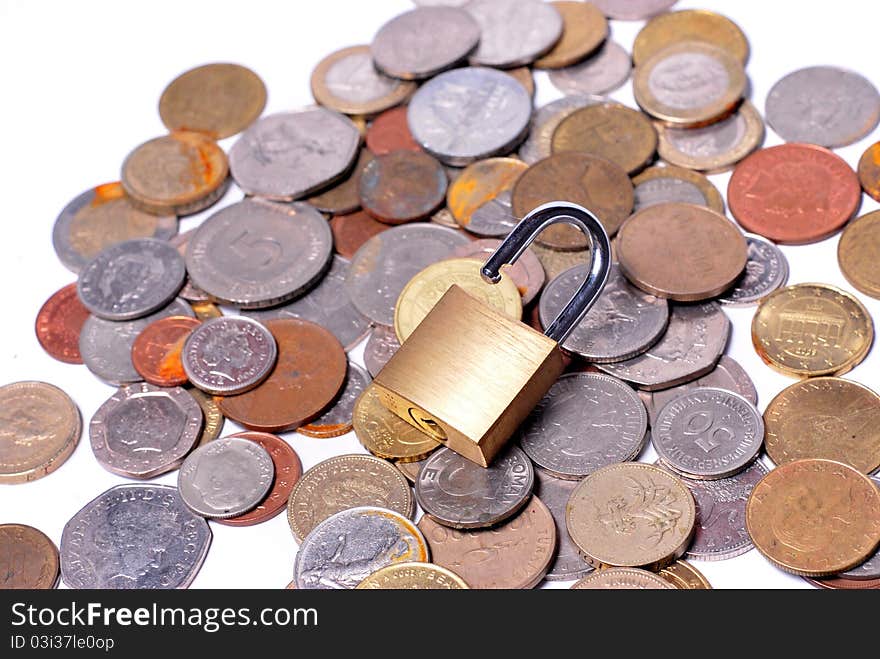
(469, 376)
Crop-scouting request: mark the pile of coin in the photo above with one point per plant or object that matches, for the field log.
(358, 213)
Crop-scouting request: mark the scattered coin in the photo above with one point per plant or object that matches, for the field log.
(554, 493)
(353, 230)
(527, 273)
(584, 28)
(39, 428)
(410, 470)
(544, 121)
(385, 434)
(402, 186)
(868, 171)
(766, 270)
(600, 73)
(839, 583)
(390, 132)
(685, 576)
(413, 576)
(811, 330)
(380, 347)
(134, 536)
(344, 482)
(859, 243)
(622, 578)
(337, 420)
(206, 310)
(870, 569)
(190, 292)
(513, 32)
(555, 262)
(342, 197)
(658, 185)
(349, 546)
(214, 419)
(633, 10)
(690, 25)
(143, 431)
(59, 324)
(216, 99)
(480, 199)
(814, 518)
(28, 558)
(156, 352)
(523, 75)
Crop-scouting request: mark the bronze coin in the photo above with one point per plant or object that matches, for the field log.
(59, 323)
(180, 173)
(857, 253)
(214, 418)
(527, 273)
(682, 252)
(690, 25)
(218, 100)
(581, 178)
(390, 132)
(206, 310)
(342, 197)
(839, 583)
(352, 230)
(156, 351)
(402, 186)
(288, 470)
(28, 558)
(584, 28)
(869, 171)
(685, 576)
(612, 131)
(309, 372)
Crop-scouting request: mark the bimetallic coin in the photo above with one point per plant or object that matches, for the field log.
(470, 113)
(513, 32)
(214, 419)
(870, 569)
(527, 273)
(349, 546)
(402, 186)
(584, 28)
(463, 495)
(544, 121)
(343, 482)
(156, 352)
(131, 279)
(257, 253)
(380, 347)
(480, 200)
(657, 185)
(859, 243)
(633, 10)
(101, 217)
(385, 434)
(766, 270)
(143, 431)
(134, 536)
(708, 433)
(631, 515)
(337, 419)
(39, 428)
(622, 323)
(289, 155)
(413, 576)
(600, 73)
(585, 422)
(568, 562)
(685, 576)
(28, 558)
(229, 355)
(226, 477)
(814, 518)
(622, 578)
(59, 324)
(687, 26)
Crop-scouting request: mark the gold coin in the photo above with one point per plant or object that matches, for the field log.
(690, 25)
(39, 428)
(631, 515)
(584, 28)
(425, 289)
(218, 100)
(206, 310)
(685, 576)
(480, 183)
(622, 578)
(670, 178)
(612, 131)
(556, 262)
(714, 84)
(807, 330)
(385, 434)
(814, 518)
(413, 576)
(858, 254)
(410, 469)
(825, 418)
(523, 75)
(214, 418)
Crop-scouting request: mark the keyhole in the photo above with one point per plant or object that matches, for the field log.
(426, 424)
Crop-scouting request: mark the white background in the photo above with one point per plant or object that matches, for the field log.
(80, 88)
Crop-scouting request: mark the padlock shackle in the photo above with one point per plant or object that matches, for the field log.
(600, 258)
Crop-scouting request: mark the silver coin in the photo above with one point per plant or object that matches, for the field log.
(708, 433)
(766, 270)
(538, 144)
(424, 41)
(349, 546)
(870, 569)
(190, 292)
(585, 422)
(690, 347)
(823, 105)
(513, 32)
(258, 253)
(131, 279)
(380, 347)
(667, 189)
(143, 431)
(459, 493)
(228, 355)
(341, 411)
(554, 493)
(494, 218)
(134, 536)
(292, 154)
(384, 264)
(105, 345)
(226, 478)
(623, 322)
(600, 73)
(633, 10)
(467, 114)
(354, 86)
(727, 374)
(686, 80)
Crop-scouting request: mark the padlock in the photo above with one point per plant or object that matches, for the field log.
(467, 375)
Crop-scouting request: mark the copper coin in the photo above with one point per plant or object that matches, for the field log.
(584, 28)
(580, 178)
(793, 193)
(156, 351)
(390, 132)
(288, 470)
(402, 186)
(216, 99)
(308, 374)
(180, 173)
(858, 251)
(612, 131)
(514, 554)
(342, 197)
(682, 252)
(527, 273)
(690, 25)
(28, 558)
(869, 171)
(477, 190)
(59, 323)
(353, 230)
(839, 583)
